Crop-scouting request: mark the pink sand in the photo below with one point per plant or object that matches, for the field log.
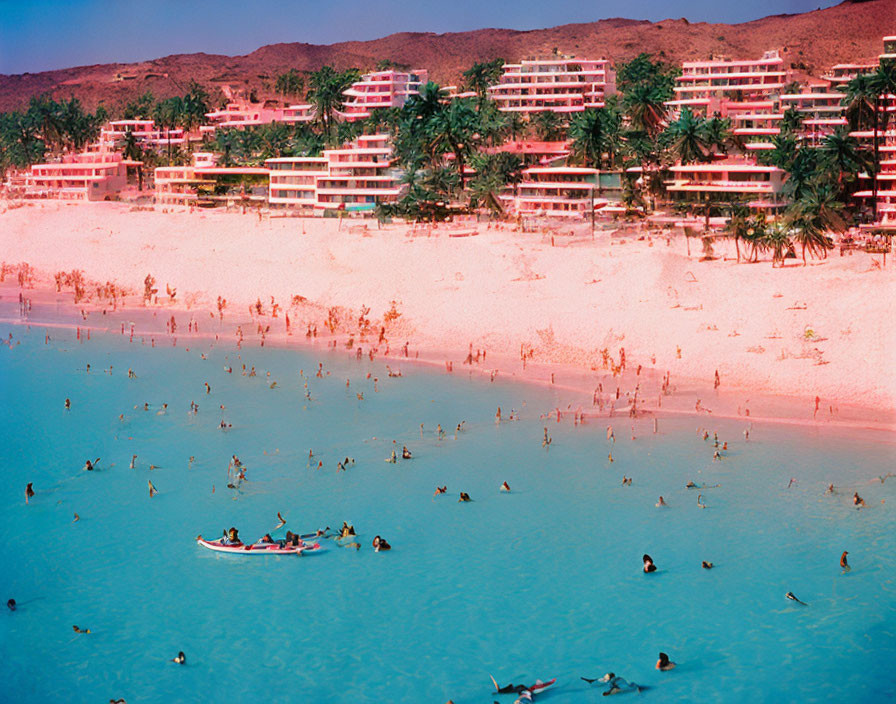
(502, 289)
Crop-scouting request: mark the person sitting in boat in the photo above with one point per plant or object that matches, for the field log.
(231, 537)
(267, 539)
(380, 544)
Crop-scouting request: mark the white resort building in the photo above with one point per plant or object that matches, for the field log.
(84, 176)
(381, 89)
(563, 85)
(704, 86)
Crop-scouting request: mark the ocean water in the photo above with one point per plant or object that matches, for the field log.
(543, 582)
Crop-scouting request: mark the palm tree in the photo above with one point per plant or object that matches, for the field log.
(776, 239)
(718, 134)
(454, 129)
(738, 226)
(289, 83)
(589, 138)
(813, 215)
(548, 125)
(685, 138)
(482, 75)
(859, 101)
(494, 172)
(842, 154)
(645, 107)
(326, 89)
(130, 149)
(792, 121)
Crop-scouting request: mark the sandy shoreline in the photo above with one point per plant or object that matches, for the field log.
(778, 337)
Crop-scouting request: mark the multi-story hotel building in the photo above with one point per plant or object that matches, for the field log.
(293, 180)
(381, 89)
(84, 176)
(358, 176)
(728, 180)
(559, 85)
(704, 86)
(145, 132)
(555, 191)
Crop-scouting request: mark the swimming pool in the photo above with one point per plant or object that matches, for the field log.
(545, 581)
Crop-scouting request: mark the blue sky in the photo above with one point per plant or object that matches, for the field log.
(39, 35)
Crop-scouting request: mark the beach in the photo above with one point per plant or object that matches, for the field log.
(795, 333)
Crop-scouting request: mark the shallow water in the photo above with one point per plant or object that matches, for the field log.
(543, 582)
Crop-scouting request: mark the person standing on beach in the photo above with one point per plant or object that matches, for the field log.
(716, 382)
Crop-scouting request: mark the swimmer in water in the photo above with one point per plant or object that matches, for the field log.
(181, 659)
(661, 502)
(29, 492)
(664, 663)
(615, 685)
(68, 404)
(76, 518)
(380, 544)
(792, 597)
(505, 487)
(830, 489)
(843, 563)
(405, 453)
(133, 461)
(76, 629)
(393, 458)
(88, 465)
(346, 530)
(700, 501)
(648, 564)
(706, 565)
(464, 496)
(11, 604)
(858, 500)
(440, 490)
(152, 490)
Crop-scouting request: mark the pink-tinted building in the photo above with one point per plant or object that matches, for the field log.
(84, 176)
(381, 89)
(242, 114)
(704, 86)
(841, 74)
(729, 180)
(145, 132)
(205, 184)
(822, 112)
(562, 85)
(558, 191)
(358, 176)
(293, 180)
(303, 112)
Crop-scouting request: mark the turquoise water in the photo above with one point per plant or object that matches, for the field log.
(543, 582)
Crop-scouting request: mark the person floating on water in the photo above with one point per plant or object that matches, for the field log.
(525, 691)
(843, 563)
(77, 629)
(661, 503)
(405, 453)
(152, 490)
(464, 496)
(393, 458)
(11, 604)
(380, 544)
(707, 565)
(648, 564)
(615, 685)
(88, 465)
(505, 487)
(664, 663)
(440, 490)
(181, 659)
(792, 597)
(346, 530)
(858, 500)
(29, 492)
(68, 404)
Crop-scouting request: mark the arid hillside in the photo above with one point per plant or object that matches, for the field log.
(850, 31)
